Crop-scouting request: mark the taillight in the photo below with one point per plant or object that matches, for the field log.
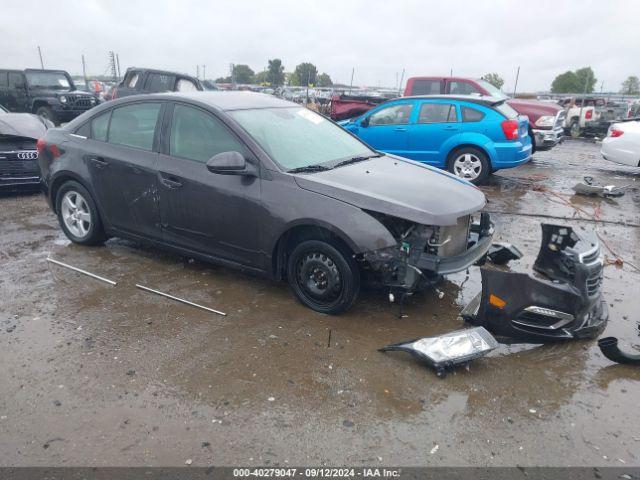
(40, 144)
(588, 115)
(51, 149)
(510, 129)
(615, 133)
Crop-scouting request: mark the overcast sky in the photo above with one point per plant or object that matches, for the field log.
(377, 38)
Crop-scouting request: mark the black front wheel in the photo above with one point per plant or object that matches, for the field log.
(323, 276)
(48, 114)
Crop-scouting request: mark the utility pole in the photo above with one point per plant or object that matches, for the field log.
(515, 87)
(118, 65)
(40, 55)
(451, 72)
(353, 70)
(84, 71)
(232, 68)
(401, 80)
(112, 65)
(204, 70)
(198, 72)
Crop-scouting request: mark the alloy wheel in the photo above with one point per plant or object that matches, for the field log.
(76, 214)
(467, 166)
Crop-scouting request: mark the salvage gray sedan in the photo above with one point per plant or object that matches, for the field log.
(264, 185)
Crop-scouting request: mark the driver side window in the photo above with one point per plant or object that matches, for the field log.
(392, 115)
(197, 135)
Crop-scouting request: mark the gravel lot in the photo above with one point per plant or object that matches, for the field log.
(92, 374)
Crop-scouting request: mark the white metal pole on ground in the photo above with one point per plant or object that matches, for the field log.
(79, 270)
(181, 300)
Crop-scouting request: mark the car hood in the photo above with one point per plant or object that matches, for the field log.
(22, 125)
(398, 187)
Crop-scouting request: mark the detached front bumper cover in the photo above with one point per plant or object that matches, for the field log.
(564, 303)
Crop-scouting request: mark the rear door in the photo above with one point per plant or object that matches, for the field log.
(206, 212)
(436, 122)
(121, 158)
(386, 127)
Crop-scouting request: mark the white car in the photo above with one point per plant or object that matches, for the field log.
(622, 144)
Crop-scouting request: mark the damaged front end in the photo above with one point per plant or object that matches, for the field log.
(564, 301)
(424, 253)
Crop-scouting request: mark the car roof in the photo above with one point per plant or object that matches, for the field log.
(226, 101)
(480, 100)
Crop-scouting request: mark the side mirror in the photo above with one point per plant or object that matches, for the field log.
(364, 122)
(229, 163)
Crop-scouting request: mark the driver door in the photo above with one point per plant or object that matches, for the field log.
(206, 212)
(386, 128)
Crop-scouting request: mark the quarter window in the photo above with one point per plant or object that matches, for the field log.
(15, 80)
(471, 115)
(185, 85)
(197, 135)
(437, 113)
(159, 82)
(99, 127)
(133, 80)
(134, 125)
(393, 115)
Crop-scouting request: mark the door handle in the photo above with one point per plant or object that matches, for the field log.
(171, 183)
(99, 162)
(451, 127)
(400, 129)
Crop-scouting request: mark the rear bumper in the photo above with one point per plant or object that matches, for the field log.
(613, 150)
(512, 154)
(546, 139)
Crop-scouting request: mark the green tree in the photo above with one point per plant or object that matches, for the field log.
(306, 73)
(586, 80)
(631, 86)
(494, 79)
(275, 72)
(223, 80)
(243, 74)
(291, 79)
(261, 77)
(566, 82)
(324, 80)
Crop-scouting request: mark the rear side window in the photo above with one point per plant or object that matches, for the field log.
(15, 80)
(99, 126)
(134, 125)
(462, 88)
(3, 79)
(185, 85)
(505, 109)
(471, 115)
(437, 113)
(160, 82)
(198, 135)
(392, 115)
(426, 87)
(133, 80)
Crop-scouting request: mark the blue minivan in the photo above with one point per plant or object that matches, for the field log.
(471, 136)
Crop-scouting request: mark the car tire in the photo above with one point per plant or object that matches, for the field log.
(470, 164)
(323, 276)
(78, 214)
(48, 114)
(574, 129)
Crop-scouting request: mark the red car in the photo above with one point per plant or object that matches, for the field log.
(546, 120)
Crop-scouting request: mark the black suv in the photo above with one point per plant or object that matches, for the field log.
(50, 94)
(146, 80)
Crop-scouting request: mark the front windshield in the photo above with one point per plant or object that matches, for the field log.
(296, 137)
(49, 80)
(493, 91)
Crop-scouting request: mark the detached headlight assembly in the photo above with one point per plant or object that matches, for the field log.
(546, 121)
(445, 351)
(62, 99)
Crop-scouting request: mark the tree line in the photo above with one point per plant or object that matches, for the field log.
(274, 74)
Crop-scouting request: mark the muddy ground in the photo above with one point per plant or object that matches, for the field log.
(92, 374)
